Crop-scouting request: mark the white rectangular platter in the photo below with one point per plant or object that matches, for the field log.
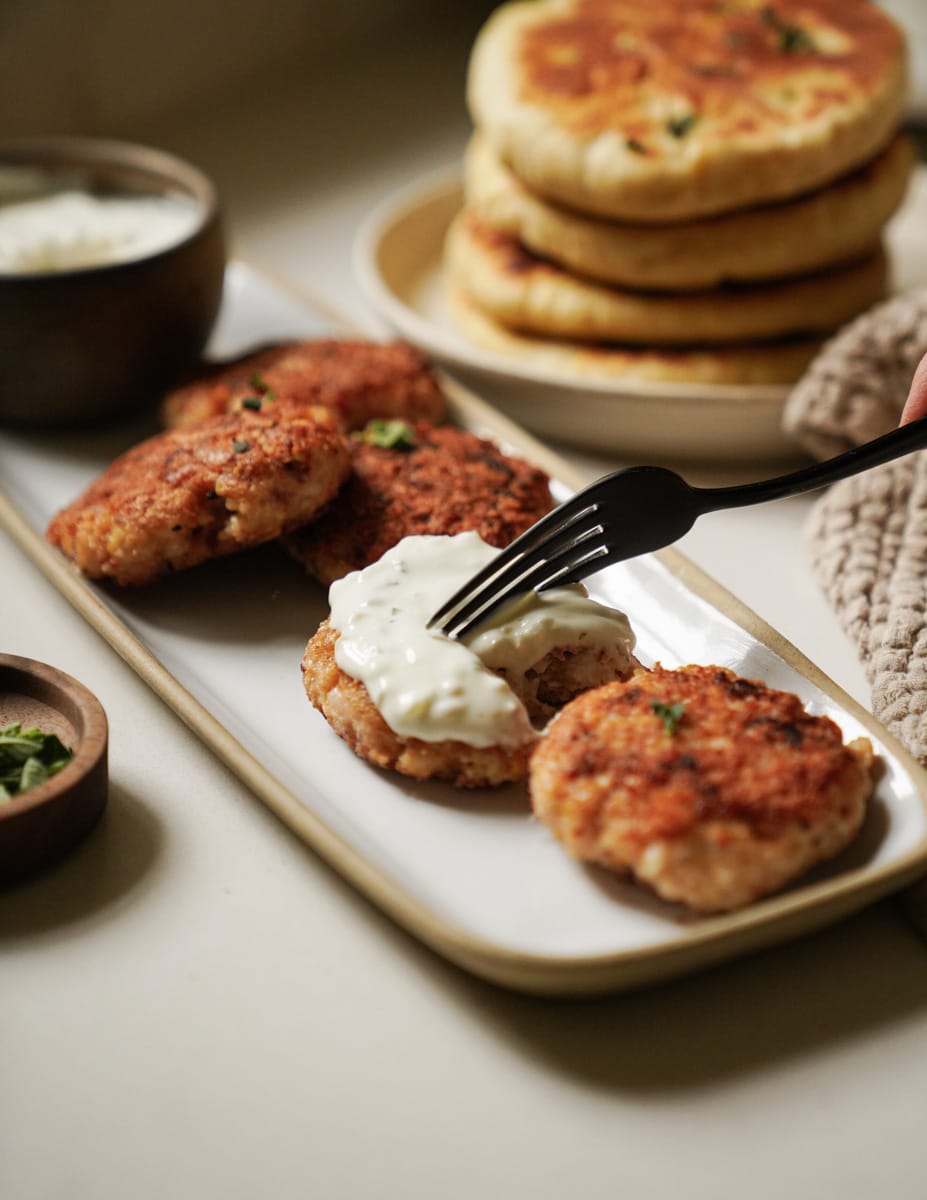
(472, 874)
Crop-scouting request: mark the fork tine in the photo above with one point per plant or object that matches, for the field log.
(556, 558)
(553, 525)
(514, 574)
(581, 568)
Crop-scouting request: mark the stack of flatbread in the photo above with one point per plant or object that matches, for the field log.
(678, 189)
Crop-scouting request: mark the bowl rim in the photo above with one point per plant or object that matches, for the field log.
(25, 674)
(58, 152)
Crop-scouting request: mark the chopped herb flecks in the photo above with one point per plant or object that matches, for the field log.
(635, 146)
(388, 434)
(680, 126)
(258, 383)
(792, 38)
(669, 714)
(252, 402)
(239, 445)
(27, 758)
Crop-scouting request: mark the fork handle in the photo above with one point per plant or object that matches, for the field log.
(912, 436)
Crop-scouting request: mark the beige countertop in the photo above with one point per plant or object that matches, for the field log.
(195, 1006)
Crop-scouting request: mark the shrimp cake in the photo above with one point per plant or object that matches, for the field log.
(188, 495)
(356, 379)
(712, 789)
(347, 706)
(450, 481)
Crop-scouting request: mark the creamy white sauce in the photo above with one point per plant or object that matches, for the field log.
(424, 684)
(72, 229)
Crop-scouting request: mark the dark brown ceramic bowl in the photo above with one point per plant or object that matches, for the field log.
(80, 347)
(40, 825)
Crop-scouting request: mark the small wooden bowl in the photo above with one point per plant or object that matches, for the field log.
(84, 346)
(39, 826)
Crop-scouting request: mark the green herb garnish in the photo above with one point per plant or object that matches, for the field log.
(259, 384)
(792, 38)
(635, 146)
(680, 126)
(27, 758)
(252, 402)
(669, 714)
(239, 445)
(388, 435)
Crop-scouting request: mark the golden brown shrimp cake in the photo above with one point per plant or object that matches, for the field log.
(356, 379)
(449, 481)
(192, 494)
(712, 789)
(346, 705)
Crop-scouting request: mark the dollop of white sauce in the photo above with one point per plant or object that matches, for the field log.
(69, 230)
(428, 686)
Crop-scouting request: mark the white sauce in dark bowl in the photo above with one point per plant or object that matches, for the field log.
(70, 230)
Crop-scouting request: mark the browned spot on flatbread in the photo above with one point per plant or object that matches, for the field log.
(743, 66)
(508, 252)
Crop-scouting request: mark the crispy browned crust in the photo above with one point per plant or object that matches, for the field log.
(346, 705)
(451, 482)
(356, 379)
(191, 494)
(600, 65)
(747, 792)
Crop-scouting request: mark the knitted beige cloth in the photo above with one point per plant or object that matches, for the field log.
(868, 534)
(855, 388)
(868, 538)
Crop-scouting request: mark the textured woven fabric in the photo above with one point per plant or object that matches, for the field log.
(855, 388)
(868, 539)
(868, 534)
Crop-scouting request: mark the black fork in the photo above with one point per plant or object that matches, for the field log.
(635, 511)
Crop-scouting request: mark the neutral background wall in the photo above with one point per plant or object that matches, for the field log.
(912, 14)
(115, 66)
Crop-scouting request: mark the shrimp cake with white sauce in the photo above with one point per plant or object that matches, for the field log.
(439, 481)
(356, 379)
(712, 789)
(347, 706)
(188, 495)
(467, 711)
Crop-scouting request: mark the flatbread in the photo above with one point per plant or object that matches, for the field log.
(674, 109)
(529, 294)
(764, 364)
(835, 224)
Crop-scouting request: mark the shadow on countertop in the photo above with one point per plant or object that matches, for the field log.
(104, 873)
